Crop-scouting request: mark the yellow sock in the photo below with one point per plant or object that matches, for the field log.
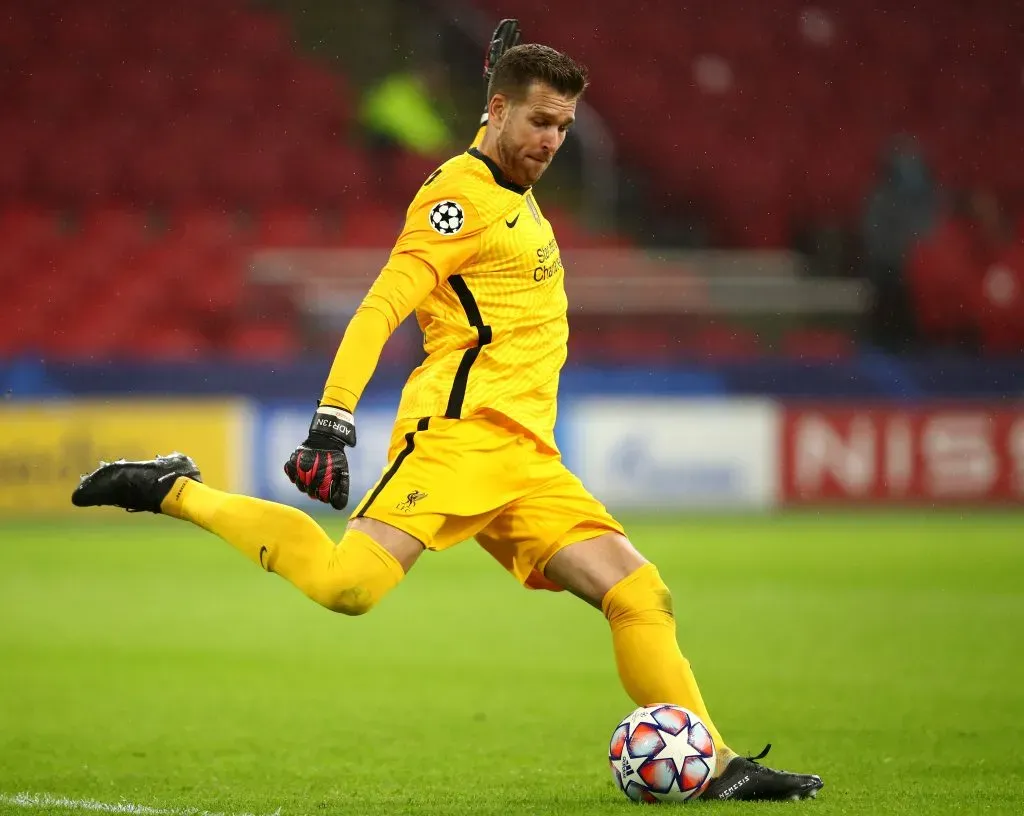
(651, 667)
(350, 577)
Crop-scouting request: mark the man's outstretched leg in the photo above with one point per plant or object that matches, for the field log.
(609, 573)
(350, 577)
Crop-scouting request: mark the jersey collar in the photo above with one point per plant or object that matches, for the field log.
(499, 177)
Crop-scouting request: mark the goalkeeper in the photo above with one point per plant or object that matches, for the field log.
(473, 452)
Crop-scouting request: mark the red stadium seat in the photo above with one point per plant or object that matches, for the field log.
(211, 290)
(83, 30)
(83, 173)
(164, 173)
(119, 230)
(89, 335)
(141, 87)
(370, 225)
(55, 87)
(263, 341)
(206, 228)
(260, 37)
(334, 176)
(943, 273)
(17, 38)
(291, 227)
(172, 341)
(1001, 311)
(176, 31)
(227, 87)
(306, 91)
(724, 342)
(17, 152)
(817, 344)
(83, 266)
(245, 176)
(29, 227)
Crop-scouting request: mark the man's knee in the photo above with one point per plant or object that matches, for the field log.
(358, 573)
(641, 596)
(345, 598)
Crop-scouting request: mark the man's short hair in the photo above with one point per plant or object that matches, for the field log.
(522, 65)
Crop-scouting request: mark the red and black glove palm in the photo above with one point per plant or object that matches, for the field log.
(319, 467)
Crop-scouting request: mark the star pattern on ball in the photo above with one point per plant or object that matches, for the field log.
(446, 217)
(691, 768)
(676, 745)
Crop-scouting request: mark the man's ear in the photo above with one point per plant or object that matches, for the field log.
(497, 109)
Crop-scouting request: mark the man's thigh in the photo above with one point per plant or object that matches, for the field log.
(559, 512)
(445, 480)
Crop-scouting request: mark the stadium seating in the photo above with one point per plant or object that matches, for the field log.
(122, 186)
(774, 113)
(817, 344)
(131, 193)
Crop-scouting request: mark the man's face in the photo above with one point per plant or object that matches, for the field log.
(531, 131)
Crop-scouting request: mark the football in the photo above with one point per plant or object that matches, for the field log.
(661, 753)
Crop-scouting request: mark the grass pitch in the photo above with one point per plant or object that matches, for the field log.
(144, 661)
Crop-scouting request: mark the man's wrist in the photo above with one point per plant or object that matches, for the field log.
(334, 423)
(337, 412)
(335, 396)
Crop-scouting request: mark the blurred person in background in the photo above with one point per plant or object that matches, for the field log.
(406, 110)
(903, 207)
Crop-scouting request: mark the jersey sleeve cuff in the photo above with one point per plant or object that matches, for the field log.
(339, 398)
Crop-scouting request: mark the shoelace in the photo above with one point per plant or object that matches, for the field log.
(762, 755)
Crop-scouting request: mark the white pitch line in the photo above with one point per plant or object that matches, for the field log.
(46, 800)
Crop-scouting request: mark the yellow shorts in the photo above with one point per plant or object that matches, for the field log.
(482, 477)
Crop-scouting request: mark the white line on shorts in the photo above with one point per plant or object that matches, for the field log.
(46, 800)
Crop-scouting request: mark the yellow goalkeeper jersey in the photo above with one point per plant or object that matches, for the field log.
(478, 262)
(494, 328)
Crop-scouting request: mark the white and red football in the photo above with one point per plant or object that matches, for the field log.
(662, 753)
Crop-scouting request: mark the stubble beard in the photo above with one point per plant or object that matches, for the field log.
(506, 152)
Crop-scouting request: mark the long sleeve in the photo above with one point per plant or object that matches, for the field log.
(399, 289)
(424, 256)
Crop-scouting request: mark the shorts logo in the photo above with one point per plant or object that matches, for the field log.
(446, 217)
(410, 501)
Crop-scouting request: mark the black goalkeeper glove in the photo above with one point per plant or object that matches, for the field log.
(318, 467)
(505, 36)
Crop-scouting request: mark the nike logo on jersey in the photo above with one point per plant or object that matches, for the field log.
(512, 223)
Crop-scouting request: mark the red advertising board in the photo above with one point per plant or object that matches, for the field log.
(935, 455)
